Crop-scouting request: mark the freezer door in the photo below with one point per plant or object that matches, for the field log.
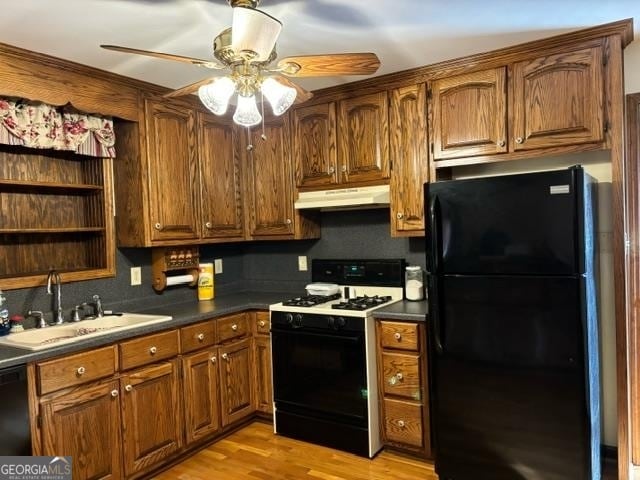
(514, 224)
(508, 370)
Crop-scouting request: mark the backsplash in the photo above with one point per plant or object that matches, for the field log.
(267, 266)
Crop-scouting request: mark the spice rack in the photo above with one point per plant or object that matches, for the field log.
(167, 262)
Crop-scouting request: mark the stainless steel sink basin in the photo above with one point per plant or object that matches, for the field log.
(41, 338)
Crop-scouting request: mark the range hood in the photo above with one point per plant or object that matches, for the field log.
(345, 198)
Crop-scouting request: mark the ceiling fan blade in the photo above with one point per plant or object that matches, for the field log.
(188, 89)
(329, 65)
(302, 94)
(166, 56)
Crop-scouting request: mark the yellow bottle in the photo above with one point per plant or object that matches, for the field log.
(205, 282)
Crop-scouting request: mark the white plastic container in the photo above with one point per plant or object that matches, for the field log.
(413, 283)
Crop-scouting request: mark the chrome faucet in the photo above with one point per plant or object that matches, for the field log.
(55, 277)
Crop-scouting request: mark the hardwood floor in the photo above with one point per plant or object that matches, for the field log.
(254, 452)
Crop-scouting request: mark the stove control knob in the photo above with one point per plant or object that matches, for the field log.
(341, 322)
(336, 322)
(289, 318)
(297, 320)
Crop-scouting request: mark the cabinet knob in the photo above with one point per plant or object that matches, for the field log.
(209, 225)
(114, 393)
(225, 357)
(153, 350)
(399, 215)
(332, 169)
(200, 337)
(81, 371)
(397, 336)
(214, 359)
(519, 140)
(261, 323)
(393, 380)
(158, 226)
(401, 423)
(128, 388)
(502, 143)
(234, 327)
(288, 221)
(399, 376)
(344, 168)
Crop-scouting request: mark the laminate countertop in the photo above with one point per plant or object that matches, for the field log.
(187, 313)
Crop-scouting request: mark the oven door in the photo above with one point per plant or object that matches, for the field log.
(320, 374)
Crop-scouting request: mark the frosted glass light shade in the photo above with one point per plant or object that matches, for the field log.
(215, 95)
(280, 96)
(247, 113)
(255, 31)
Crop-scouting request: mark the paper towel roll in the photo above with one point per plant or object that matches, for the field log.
(179, 280)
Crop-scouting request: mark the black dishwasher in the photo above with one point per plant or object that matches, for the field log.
(15, 438)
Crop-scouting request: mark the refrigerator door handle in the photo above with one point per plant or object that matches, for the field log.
(434, 257)
(434, 315)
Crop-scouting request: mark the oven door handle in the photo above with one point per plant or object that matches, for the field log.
(350, 338)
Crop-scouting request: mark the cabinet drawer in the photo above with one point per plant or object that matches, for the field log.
(76, 369)
(263, 323)
(401, 375)
(234, 326)
(152, 348)
(399, 335)
(197, 336)
(403, 422)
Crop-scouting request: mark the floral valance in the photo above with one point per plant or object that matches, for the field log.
(39, 125)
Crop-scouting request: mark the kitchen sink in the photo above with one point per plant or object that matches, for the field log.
(42, 338)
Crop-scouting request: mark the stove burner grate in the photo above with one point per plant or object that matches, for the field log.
(310, 300)
(362, 303)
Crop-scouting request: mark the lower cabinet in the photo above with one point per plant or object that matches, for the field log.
(85, 424)
(151, 426)
(264, 388)
(200, 394)
(236, 392)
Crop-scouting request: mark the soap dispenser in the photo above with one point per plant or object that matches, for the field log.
(4, 316)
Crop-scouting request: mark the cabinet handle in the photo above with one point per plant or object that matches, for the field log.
(399, 215)
(519, 140)
(401, 423)
(234, 327)
(225, 357)
(81, 371)
(397, 336)
(399, 376)
(158, 226)
(288, 221)
(332, 169)
(393, 380)
(128, 388)
(153, 350)
(213, 359)
(501, 143)
(261, 323)
(114, 393)
(209, 225)
(200, 337)
(344, 168)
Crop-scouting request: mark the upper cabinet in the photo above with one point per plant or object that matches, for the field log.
(558, 100)
(363, 138)
(470, 114)
(410, 167)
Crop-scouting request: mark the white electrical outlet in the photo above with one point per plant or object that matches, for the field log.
(218, 266)
(302, 263)
(136, 275)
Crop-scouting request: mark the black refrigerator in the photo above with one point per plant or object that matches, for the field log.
(513, 344)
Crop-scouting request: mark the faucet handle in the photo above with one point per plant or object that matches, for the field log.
(38, 315)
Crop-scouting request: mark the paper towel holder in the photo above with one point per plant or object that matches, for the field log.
(170, 261)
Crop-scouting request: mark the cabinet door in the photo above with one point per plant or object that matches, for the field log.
(363, 146)
(558, 100)
(269, 181)
(410, 166)
(172, 172)
(200, 394)
(236, 381)
(220, 180)
(264, 388)
(469, 114)
(152, 429)
(314, 145)
(85, 424)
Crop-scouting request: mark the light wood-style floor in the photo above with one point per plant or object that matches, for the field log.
(254, 452)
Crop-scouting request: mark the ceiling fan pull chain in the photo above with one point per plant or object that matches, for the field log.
(249, 144)
(263, 136)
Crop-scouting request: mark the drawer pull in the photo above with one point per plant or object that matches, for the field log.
(114, 393)
(81, 371)
(200, 337)
(153, 350)
(393, 380)
(213, 359)
(234, 327)
(209, 225)
(401, 423)
(128, 388)
(261, 323)
(397, 336)
(158, 226)
(501, 143)
(399, 375)
(225, 357)
(519, 140)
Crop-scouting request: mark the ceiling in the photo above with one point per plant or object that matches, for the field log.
(403, 33)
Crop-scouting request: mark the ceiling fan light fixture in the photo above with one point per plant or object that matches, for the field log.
(247, 113)
(279, 96)
(215, 95)
(254, 31)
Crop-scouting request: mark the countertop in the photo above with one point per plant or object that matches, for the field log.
(191, 312)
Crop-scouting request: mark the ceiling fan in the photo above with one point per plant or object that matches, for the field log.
(247, 51)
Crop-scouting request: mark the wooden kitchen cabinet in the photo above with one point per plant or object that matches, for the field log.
(262, 366)
(469, 114)
(237, 397)
(403, 388)
(315, 145)
(151, 416)
(85, 424)
(410, 166)
(363, 139)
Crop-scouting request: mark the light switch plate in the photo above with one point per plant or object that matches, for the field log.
(218, 266)
(136, 275)
(302, 263)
